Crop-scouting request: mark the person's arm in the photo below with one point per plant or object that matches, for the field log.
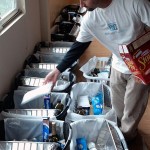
(83, 40)
(76, 50)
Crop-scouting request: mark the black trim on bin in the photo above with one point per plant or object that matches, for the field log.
(8, 102)
(67, 129)
(2, 131)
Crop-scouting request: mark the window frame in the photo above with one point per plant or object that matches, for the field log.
(11, 16)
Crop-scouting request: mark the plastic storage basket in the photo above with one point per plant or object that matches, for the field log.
(53, 47)
(46, 59)
(62, 37)
(102, 66)
(63, 130)
(56, 49)
(27, 113)
(35, 107)
(49, 54)
(90, 89)
(62, 31)
(104, 133)
(34, 77)
(34, 72)
(48, 66)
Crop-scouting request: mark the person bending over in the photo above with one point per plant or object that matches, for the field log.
(113, 23)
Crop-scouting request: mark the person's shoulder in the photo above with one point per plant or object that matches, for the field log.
(127, 1)
(137, 3)
(130, 4)
(94, 12)
(134, 1)
(90, 15)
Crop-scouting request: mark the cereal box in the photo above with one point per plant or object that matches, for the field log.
(136, 55)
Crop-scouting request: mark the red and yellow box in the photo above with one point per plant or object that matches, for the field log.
(136, 55)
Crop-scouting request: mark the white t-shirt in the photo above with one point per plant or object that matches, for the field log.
(120, 23)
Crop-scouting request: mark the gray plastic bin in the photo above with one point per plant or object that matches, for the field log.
(47, 66)
(34, 77)
(53, 47)
(49, 53)
(36, 107)
(104, 133)
(45, 59)
(63, 130)
(90, 89)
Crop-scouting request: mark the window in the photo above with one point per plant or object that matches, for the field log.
(8, 11)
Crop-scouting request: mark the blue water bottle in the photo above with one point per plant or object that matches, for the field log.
(97, 103)
(81, 144)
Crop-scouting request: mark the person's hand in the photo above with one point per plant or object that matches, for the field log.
(52, 77)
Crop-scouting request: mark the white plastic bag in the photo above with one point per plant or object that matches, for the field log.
(90, 65)
(90, 89)
(23, 128)
(100, 131)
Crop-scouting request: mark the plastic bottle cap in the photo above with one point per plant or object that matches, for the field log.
(53, 123)
(91, 145)
(59, 101)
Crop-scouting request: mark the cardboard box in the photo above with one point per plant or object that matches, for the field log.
(136, 55)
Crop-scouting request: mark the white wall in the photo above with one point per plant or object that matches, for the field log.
(17, 43)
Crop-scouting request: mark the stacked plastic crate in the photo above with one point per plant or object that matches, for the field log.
(24, 123)
(100, 72)
(18, 116)
(67, 24)
(46, 57)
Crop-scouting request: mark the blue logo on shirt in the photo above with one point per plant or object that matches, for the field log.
(112, 26)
